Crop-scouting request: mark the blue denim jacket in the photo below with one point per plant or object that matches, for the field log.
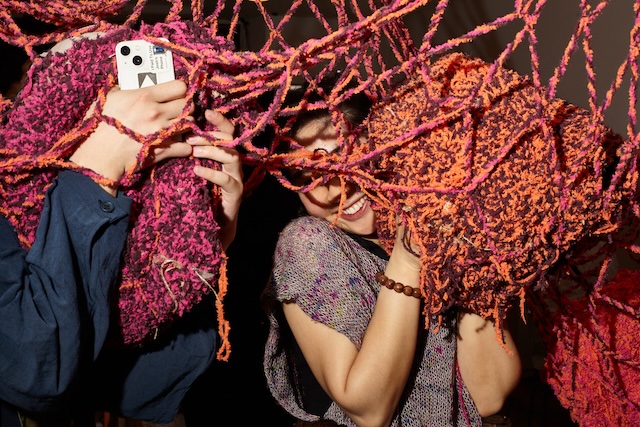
(55, 314)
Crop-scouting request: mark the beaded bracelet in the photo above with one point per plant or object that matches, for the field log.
(397, 286)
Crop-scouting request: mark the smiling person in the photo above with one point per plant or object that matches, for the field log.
(343, 348)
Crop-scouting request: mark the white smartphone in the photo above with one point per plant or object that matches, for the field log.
(141, 64)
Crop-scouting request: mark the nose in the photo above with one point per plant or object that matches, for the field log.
(334, 189)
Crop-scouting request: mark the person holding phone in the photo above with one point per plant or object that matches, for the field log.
(55, 298)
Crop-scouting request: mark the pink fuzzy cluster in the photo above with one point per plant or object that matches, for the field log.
(593, 363)
(173, 254)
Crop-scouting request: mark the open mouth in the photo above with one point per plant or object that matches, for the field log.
(354, 208)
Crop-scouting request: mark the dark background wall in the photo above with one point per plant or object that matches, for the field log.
(240, 383)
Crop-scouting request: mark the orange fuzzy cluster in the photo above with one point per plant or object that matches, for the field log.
(494, 192)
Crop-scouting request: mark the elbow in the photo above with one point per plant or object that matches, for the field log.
(374, 416)
(370, 408)
(41, 402)
(35, 389)
(372, 420)
(493, 398)
(490, 406)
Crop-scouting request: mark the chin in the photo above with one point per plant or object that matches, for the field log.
(364, 230)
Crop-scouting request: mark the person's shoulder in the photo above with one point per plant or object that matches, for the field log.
(307, 232)
(306, 226)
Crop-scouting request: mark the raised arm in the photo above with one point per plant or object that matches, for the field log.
(54, 299)
(488, 369)
(110, 153)
(367, 384)
(46, 334)
(228, 177)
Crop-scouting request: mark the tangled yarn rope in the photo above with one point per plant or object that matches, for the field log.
(165, 273)
(496, 204)
(593, 360)
(512, 194)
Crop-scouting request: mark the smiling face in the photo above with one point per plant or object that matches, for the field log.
(323, 201)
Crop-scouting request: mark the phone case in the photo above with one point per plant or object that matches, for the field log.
(141, 64)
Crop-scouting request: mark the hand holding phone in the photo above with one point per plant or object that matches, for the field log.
(141, 64)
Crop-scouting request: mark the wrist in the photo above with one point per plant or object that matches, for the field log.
(398, 287)
(404, 260)
(104, 152)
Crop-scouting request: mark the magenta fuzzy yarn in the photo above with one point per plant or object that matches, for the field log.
(173, 255)
(593, 364)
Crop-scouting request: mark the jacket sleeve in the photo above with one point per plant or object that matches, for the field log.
(54, 299)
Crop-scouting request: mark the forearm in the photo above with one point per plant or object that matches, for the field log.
(380, 371)
(228, 232)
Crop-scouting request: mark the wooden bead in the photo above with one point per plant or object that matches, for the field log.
(397, 286)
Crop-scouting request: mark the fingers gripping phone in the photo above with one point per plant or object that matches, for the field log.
(141, 64)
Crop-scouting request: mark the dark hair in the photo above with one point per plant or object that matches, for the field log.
(305, 105)
(11, 68)
(354, 109)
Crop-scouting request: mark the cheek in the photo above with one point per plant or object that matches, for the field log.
(311, 208)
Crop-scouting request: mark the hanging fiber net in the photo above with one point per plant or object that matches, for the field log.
(514, 195)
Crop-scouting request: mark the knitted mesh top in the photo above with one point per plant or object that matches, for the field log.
(173, 256)
(331, 278)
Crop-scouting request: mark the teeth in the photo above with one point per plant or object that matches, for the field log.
(355, 207)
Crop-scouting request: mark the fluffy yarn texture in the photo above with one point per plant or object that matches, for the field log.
(593, 363)
(532, 209)
(493, 194)
(173, 255)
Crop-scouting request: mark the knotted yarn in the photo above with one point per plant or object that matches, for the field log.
(173, 256)
(514, 237)
(495, 182)
(593, 360)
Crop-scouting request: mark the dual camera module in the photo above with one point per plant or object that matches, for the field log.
(126, 50)
(141, 63)
(137, 59)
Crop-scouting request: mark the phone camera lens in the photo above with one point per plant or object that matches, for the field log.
(137, 60)
(124, 50)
